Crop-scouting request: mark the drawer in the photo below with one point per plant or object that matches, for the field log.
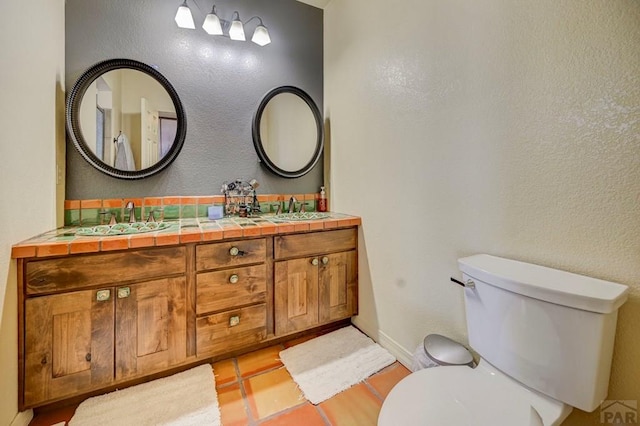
(76, 272)
(300, 245)
(231, 330)
(220, 290)
(228, 254)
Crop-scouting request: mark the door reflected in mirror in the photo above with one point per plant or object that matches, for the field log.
(127, 119)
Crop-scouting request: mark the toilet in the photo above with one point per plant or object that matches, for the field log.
(545, 339)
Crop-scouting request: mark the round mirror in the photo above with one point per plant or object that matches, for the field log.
(126, 119)
(287, 132)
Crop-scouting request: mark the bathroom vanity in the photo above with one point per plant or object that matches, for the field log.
(111, 317)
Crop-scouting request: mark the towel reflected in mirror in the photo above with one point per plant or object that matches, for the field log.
(124, 154)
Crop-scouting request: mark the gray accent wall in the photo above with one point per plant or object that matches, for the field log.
(219, 81)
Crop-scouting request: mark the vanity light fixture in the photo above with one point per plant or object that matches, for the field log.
(236, 32)
(184, 19)
(215, 26)
(261, 34)
(212, 24)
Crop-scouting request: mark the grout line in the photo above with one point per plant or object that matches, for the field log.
(243, 393)
(285, 411)
(373, 390)
(322, 414)
(262, 372)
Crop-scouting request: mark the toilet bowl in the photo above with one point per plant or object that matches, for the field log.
(545, 339)
(460, 395)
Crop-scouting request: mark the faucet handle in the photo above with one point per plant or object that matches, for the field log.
(103, 214)
(292, 204)
(132, 211)
(152, 215)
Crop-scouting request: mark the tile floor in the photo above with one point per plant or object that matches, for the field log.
(256, 389)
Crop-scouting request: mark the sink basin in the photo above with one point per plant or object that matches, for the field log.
(301, 216)
(122, 229)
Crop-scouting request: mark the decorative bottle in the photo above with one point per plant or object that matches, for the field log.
(322, 201)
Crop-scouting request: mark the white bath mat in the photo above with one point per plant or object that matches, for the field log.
(329, 364)
(184, 399)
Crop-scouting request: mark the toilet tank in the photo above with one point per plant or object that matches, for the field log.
(551, 330)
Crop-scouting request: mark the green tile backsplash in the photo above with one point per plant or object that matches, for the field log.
(168, 208)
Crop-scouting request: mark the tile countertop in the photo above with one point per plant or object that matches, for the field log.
(64, 241)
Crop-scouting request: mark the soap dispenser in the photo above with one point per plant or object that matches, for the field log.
(322, 201)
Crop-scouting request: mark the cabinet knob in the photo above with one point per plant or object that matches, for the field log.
(325, 260)
(234, 278)
(124, 292)
(235, 251)
(314, 261)
(103, 295)
(234, 320)
(88, 357)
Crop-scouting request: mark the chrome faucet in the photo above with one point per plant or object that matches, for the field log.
(292, 204)
(132, 211)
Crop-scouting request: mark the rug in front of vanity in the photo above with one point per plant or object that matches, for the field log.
(184, 399)
(327, 365)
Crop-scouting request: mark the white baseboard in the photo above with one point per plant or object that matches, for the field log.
(23, 418)
(402, 355)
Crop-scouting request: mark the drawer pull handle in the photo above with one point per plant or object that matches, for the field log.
(314, 261)
(103, 295)
(325, 260)
(234, 278)
(235, 251)
(88, 357)
(234, 320)
(124, 292)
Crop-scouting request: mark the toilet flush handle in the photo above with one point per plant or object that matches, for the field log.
(468, 284)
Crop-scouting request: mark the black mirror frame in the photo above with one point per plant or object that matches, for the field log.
(73, 124)
(257, 140)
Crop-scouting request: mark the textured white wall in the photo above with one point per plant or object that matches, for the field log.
(32, 122)
(494, 126)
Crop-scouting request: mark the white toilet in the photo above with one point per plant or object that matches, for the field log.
(545, 338)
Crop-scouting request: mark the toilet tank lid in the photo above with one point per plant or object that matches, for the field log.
(543, 283)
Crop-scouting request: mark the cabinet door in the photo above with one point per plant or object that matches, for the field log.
(68, 344)
(296, 295)
(151, 326)
(338, 281)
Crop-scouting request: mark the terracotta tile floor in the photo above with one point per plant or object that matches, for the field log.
(256, 389)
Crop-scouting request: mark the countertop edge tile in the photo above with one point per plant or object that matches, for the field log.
(59, 242)
(84, 246)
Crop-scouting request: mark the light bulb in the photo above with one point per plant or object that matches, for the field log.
(236, 32)
(183, 16)
(261, 36)
(212, 24)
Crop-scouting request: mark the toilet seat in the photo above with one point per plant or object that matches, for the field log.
(461, 396)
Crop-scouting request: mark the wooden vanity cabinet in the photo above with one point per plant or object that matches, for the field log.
(94, 321)
(84, 332)
(316, 276)
(151, 327)
(233, 286)
(68, 345)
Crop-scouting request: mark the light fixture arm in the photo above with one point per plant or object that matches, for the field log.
(252, 18)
